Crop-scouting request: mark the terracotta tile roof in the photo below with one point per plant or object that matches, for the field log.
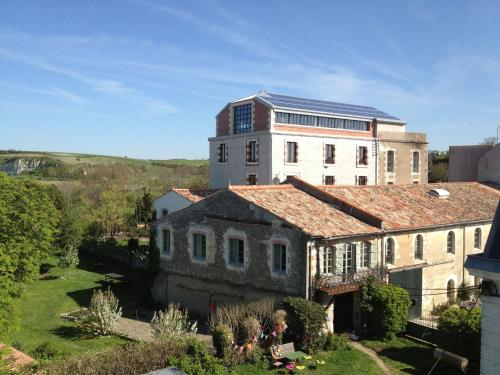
(14, 359)
(195, 195)
(411, 206)
(300, 209)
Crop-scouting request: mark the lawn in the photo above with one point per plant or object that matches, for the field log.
(405, 356)
(338, 362)
(62, 291)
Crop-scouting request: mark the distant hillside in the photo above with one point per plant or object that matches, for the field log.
(58, 167)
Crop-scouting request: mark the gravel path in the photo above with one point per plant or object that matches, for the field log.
(141, 331)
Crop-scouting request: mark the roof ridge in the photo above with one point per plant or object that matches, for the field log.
(338, 203)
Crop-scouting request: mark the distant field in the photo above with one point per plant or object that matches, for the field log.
(75, 158)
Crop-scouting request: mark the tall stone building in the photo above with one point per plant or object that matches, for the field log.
(265, 138)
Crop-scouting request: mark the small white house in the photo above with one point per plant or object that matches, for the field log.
(487, 267)
(177, 199)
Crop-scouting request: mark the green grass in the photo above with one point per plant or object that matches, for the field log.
(63, 291)
(339, 362)
(405, 356)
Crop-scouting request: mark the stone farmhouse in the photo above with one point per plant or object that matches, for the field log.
(320, 242)
(265, 138)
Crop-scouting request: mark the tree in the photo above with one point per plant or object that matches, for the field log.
(28, 227)
(489, 141)
(438, 172)
(104, 311)
(69, 257)
(385, 308)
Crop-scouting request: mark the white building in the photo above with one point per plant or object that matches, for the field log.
(264, 138)
(487, 267)
(177, 199)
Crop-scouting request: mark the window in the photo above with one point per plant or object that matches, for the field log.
(323, 122)
(416, 162)
(252, 151)
(450, 243)
(362, 155)
(199, 246)
(164, 212)
(279, 258)
(252, 179)
(390, 161)
(222, 153)
(291, 152)
(166, 241)
(236, 252)
(477, 238)
(327, 264)
(362, 180)
(450, 290)
(389, 251)
(419, 247)
(347, 264)
(364, 257)
(242, 119)
(329, 180)
(329, 154)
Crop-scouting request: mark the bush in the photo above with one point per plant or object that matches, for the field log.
(222, 338)
(69, 257)
(305, 321)
(135, 358)
(464, 292)
(250, 329)
(337, 342)
(46, 351)
(442, 307)
(104, 311)
(386, 308)
(459, 331)
(133, 243)
(234, 315)
(172, 323)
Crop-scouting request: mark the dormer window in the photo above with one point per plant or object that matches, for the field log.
(242, 119)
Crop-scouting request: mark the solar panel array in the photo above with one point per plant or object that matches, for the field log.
(291, 102)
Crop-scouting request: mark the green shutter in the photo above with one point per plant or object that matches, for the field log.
(339, 259)
(373, 254)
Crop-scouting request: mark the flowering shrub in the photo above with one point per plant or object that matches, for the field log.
(171, 323)
(104, 311)
(69, 257)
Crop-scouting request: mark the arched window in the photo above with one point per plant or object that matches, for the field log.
(389, 251)
(477, 238)
(450, 243)
(419, 247)
(364, 257)
(390, 161)
(450, 290)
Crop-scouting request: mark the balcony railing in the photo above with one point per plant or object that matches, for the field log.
(355, 278)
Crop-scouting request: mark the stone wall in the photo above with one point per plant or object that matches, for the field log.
(198, 284)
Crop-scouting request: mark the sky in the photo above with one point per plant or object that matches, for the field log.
(146, 78)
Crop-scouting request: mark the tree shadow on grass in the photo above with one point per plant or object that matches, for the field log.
(419, 360)
(73, 332)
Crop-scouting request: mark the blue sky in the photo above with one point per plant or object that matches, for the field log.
(145, 78)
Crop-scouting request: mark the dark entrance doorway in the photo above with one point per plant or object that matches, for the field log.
(343, 313)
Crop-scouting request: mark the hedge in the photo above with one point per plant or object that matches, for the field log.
(386, 310)
(305, 321)
(459, 331)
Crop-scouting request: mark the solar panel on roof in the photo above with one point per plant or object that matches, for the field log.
(324, 106)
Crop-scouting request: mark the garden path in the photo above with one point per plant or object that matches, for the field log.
(373, 355)
(141, 331)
